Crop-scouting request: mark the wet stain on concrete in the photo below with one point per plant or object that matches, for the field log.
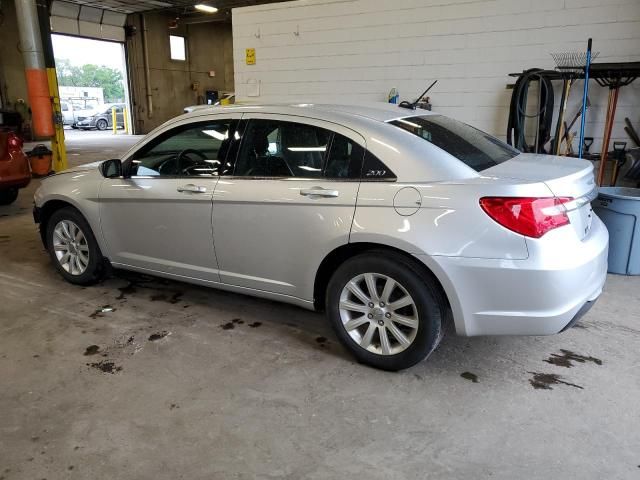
(154, 337)
(92, 350)
(255, 324)
(173, 406)
(472, 377)
(70, 467)
(228, 326)
(543, 381)
(567, 357)
(105, 366)
(99, 313)
(163, 297)
(238, 321)
(126, 290)
(321, 340)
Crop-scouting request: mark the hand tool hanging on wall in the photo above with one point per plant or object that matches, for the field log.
(619, 151)
(571, 65)
(585, 93)
(614, 76)
(633, 135)
(517, 111)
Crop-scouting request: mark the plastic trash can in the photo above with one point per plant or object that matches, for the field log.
(619, 209)
(40, 160)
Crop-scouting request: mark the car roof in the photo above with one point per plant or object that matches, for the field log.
(382, 112)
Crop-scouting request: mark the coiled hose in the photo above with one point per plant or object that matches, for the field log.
(516, 135)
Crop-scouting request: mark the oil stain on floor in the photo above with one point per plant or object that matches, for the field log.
(544, 381)
(567, 357)
(472, 377)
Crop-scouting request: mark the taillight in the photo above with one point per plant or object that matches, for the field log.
(14, 142)
(529, 216)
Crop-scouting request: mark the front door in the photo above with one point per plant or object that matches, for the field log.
(289, 202)
(159, 218)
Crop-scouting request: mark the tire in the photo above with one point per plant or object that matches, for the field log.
(102, 124)
(8, 196)
(93, 270)
(74, 126)
(420, 322)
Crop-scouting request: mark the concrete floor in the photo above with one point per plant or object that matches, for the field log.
(192, 383)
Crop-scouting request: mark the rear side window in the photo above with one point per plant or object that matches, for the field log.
(471, 146)
(280, 149)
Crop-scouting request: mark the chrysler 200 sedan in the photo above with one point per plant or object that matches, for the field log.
(392, 221)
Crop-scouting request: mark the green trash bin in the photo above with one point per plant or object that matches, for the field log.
(619, 210)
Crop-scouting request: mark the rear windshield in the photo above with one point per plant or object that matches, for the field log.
(477, 149)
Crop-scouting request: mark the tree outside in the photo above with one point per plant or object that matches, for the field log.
(90, 75)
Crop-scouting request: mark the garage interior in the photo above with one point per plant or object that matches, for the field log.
(141, 377)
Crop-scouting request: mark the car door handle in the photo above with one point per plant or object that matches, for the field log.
(318, 192)
(191, 188)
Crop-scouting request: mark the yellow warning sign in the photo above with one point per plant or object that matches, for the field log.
(251, 56)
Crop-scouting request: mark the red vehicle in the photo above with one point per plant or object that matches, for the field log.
(14, 167)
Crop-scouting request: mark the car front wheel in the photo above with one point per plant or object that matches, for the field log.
(385, 310)
(101, 124)
(73, 248)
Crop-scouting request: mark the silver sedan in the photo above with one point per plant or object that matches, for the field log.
(391, 220)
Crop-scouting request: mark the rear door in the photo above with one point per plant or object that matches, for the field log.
(160, 217)
(289, 202)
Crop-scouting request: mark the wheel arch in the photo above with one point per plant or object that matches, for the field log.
(344, 252)
(53, 205)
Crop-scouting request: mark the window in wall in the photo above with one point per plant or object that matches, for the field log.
(177, 47)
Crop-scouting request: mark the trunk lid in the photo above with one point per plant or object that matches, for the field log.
(564, 176)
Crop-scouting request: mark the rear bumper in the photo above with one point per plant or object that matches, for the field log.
(19, 182)
(541, 295)
(581, 313)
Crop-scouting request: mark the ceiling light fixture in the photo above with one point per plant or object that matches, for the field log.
(205, 8)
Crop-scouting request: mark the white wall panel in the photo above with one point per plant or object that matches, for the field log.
(357, 50)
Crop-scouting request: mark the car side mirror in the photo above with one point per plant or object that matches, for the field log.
(111, 168)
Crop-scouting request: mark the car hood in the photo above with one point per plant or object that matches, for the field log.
(82, 168)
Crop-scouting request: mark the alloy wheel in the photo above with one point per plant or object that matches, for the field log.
(378, 314)
(70, 247)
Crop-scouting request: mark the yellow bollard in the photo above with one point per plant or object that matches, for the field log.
(57, 141)
(126, 120)
(113, 119)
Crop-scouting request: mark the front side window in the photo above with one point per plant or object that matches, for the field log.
(273, 148)
(473, 147)
(189, 150)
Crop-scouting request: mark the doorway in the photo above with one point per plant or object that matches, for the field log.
(93, 86)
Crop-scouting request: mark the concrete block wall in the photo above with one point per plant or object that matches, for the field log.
(12, 80)
(357, 50)
(209, 47)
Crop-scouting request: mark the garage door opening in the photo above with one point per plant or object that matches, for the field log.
(93, 86)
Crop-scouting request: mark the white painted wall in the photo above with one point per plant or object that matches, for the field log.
(357, 50)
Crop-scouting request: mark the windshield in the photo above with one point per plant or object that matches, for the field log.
(475, 148)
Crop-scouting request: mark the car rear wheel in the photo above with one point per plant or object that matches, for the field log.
(102, 124)
(73, 248)
(385, 310)
(8, 196)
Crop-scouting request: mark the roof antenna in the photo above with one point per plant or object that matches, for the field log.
(412, 106)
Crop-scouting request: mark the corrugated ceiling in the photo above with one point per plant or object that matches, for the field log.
(180, 6)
